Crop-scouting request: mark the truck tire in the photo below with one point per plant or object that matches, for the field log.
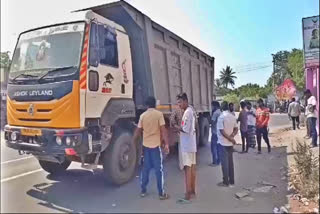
(120, 159)
(204, 128)
(54, 168)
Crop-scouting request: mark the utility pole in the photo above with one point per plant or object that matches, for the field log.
(273, 61)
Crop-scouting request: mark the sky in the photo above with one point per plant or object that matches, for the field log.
(240, 33)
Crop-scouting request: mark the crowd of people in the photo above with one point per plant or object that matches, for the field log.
(224, 127)
(310, 112)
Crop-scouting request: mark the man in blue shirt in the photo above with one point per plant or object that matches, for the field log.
(215, 148)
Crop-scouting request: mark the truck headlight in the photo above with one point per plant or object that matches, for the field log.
(14, 136)
(68, 141)
(59, 140)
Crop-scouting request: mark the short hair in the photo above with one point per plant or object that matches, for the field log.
(225, 105)
(215, 104)
(249, 103)
(231, 104)
(260, 100)
(182, 96)
(151, 102)
(243, 104)
(307, 92)
(293, 99)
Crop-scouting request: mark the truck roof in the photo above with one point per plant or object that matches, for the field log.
(124, 3)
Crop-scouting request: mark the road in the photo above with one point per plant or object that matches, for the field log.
(25, 187)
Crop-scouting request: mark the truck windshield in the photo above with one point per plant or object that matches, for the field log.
(45, 49)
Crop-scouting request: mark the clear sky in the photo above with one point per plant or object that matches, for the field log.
(239, 33)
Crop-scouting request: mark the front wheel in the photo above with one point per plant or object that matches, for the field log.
(54, 168)
(120, 159)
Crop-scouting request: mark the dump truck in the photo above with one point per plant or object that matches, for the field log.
(76, 89)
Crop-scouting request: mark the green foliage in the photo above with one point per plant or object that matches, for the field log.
(231, 98)
(296, 69)
(227, 77)
(287, 64)
(5, 60)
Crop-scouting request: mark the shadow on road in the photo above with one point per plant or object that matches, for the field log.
(82, 191)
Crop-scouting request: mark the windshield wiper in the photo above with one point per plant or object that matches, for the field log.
(54, 70)
(24, 75)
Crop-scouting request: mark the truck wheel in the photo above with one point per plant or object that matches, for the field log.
(54, 168)
(120, 159)
(204, 131)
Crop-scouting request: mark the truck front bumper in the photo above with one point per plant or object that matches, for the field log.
(45, 141)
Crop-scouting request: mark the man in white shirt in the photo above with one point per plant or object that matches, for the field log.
(188, 147)
(227, 129)
(311, 112)
(294, 113)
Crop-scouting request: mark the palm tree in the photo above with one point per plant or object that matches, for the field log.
(227, 76)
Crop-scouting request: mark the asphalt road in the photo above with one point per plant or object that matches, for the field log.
(25, 187)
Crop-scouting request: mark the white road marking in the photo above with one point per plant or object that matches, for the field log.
(15, 160)
(21, 175)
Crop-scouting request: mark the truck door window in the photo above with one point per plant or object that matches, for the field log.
(108, 46)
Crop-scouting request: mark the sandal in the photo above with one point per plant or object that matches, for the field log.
(183, 201)
(165, 196)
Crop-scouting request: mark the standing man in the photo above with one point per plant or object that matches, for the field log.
(231, 109)
(294, 113)
(263, 117)
(243, 119)
(311, 113)
(189, 147)
(251, 125)
(151, 125)
(175, 124)
(215, 147)
(227, 129)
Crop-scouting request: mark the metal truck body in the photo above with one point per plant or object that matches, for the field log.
(76, 90)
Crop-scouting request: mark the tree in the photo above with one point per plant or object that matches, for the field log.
(296, 69)
(232, 98)
(281, 70)
(5, 59)
(227, 77)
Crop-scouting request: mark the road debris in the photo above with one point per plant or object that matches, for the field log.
(242, 194)
(263, 189)
(265, 183)
(283, 210)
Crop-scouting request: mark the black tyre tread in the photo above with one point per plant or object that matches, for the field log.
(108, 160)
(204, 137)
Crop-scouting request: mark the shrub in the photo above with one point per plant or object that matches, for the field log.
(305, 172)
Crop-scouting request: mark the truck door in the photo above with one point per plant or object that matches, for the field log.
(109, 72)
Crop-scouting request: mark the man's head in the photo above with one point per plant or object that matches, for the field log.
(231, 107)
(224, 106)
(249, 105)
(215, 105)
(151, 102)
(183, 101)
(315, 34)
(307, 93)
(293, 99)
(260, 103)
(243, 104)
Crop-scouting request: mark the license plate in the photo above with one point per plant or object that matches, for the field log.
(31, 132)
